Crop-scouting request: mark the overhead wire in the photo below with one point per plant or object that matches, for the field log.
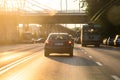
(103, 9)
(21, 5)
(29, 7)
(33, 4)
(46, 8)
(36, 4)
(44, 5)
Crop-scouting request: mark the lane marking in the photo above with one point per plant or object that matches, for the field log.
(115, 77)
(82, 50)
(14, 64)
(85, 52)
(90, 57)
(99, 63)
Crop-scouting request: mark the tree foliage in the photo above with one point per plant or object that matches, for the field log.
(95, 5)
(109, 28)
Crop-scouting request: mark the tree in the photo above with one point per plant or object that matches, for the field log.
(103, 7)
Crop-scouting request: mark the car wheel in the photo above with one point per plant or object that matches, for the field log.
(71, 53)
(83, 45)
(97, 45)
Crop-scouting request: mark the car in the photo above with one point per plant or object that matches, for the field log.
(105, 41)
(78, 40)
(117, 40)
(40, 40)
(110, 41)
(58, 43)
(72, 39)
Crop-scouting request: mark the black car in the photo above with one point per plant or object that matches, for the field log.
(58, 43)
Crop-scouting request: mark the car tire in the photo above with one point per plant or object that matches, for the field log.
(97, 45)
(71, 53)
(83, 45)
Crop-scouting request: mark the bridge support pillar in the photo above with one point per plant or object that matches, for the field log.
(8, 30)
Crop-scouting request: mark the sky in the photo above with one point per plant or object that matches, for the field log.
(54, 4)
(40, 5)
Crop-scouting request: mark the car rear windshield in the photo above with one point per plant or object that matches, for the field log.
(58, 37)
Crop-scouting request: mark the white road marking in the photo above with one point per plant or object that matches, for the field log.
(85, 52)
(115, 77)
(12, 65)
(90, 56)
(99, 63)
(82, 50)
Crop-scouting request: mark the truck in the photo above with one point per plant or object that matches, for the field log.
(90, 35)
(27, 37)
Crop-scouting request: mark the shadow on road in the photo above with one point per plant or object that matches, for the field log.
(75, 60)
(105, 47)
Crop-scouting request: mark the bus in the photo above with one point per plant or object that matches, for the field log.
(90, 35)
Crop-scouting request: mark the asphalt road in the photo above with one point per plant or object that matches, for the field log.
(27, 62)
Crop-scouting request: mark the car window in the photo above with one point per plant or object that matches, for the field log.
(60, 37)
(119, 39)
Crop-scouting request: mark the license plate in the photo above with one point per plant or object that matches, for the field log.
(59, 44)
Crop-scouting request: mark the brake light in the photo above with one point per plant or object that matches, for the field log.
(69, 42)
(47, 42)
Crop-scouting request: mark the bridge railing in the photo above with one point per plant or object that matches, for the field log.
(69, 12)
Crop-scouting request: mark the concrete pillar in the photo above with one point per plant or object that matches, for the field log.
(8, 29)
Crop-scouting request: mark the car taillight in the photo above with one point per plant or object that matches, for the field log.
(46, 42)
(69, 42)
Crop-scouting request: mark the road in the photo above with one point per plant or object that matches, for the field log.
(27, 62)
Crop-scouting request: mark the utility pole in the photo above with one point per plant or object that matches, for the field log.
(66, 5)
(5, 6)
(5, 28)
(61, 5)
(79, 5)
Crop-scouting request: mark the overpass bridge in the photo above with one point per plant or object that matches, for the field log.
(9, 22)
(58, 18)
(9, 19)
(46, 18)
